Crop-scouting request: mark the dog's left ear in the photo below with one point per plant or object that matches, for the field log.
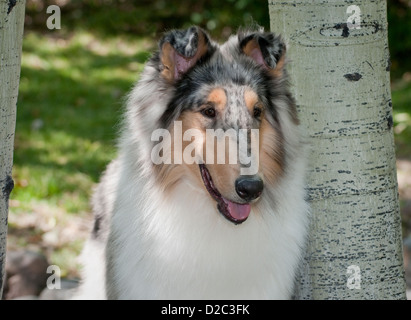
(265, 48)
(180, 50)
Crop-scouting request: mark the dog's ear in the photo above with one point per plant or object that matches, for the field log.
(267, 49)
(180, 50)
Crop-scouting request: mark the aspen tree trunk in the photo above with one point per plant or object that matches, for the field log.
(11, 35)
(339, 71)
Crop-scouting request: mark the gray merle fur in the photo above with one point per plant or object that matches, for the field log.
(216, 69)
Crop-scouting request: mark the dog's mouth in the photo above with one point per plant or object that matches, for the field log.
(234, 212)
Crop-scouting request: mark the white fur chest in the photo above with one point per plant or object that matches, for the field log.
(182, 248)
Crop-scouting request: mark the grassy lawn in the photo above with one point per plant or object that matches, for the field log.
(69, 107)
(70, 101)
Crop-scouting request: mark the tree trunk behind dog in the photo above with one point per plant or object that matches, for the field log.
(340, 77)
(11, 35)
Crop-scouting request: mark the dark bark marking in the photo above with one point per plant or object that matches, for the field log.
(369, 65)
(390, 122)
(345, 29)
(377, 27)
(388, 68)
(12, 3)
(353, 76)
(8, 187)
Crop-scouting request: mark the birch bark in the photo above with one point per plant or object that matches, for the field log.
(11, 35)
(340, 77)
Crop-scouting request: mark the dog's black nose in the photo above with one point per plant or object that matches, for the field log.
(249, 188)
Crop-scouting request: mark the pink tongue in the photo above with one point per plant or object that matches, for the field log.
(238, 211)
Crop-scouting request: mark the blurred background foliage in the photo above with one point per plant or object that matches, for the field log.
(149, 18)
(73, 83)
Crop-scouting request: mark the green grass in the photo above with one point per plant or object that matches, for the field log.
(68, 111)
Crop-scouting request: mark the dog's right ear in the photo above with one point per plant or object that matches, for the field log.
(180, 50)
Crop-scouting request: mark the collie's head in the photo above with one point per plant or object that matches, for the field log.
(219, 116)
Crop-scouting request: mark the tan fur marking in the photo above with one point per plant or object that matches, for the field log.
(271, 153)
(218, 98)
(168, 174)
(278, 70)
(251, 99)
(202, 45)
(167, 60)
(250, 46)
(193, 120)
(223, 175)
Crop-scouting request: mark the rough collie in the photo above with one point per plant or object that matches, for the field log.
(187, 211)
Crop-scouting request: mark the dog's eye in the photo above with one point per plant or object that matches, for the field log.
(257, 112)
(209, 112)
